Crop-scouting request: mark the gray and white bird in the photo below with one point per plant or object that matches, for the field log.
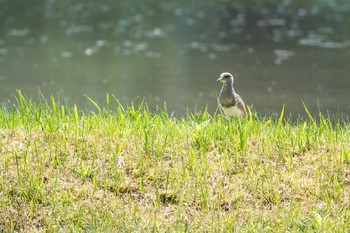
(230, 102)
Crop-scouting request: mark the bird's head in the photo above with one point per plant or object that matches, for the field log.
(225, 78)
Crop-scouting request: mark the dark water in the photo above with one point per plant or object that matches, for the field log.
(173, 52)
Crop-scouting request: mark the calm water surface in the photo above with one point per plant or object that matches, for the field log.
(173, 53)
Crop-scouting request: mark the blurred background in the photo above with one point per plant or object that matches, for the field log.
(280, 52)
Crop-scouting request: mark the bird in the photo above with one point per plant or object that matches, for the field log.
(230, 102)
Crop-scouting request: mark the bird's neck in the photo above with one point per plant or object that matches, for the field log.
(227, 86)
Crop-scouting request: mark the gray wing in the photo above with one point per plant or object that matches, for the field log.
(240, 104)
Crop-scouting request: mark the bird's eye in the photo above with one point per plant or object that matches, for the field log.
(227, 76)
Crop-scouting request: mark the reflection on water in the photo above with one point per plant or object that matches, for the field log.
(174, 52)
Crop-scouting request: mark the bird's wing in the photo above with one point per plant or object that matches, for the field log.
(240, 104)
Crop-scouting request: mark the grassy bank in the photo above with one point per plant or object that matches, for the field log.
(130, 170)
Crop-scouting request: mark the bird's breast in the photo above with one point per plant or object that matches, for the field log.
(227, 100)
(227, 96)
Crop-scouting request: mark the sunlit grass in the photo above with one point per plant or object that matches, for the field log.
(126, 169)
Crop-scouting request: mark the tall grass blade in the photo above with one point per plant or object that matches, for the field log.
(95, 104)
(308, 113)
(280, 119)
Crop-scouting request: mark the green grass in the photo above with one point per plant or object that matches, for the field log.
(130, 170)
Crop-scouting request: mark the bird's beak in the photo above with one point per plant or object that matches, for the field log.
(219, 79)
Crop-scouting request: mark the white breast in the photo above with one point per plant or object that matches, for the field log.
(233, 111)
